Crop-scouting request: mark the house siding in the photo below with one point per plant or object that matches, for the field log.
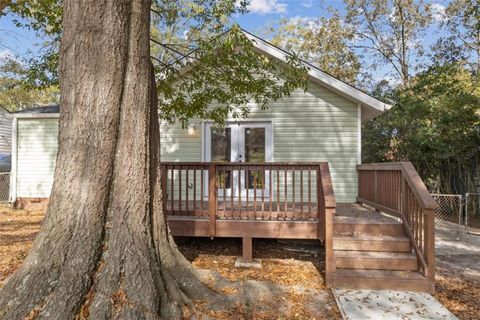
(313, 126)
(36, 152)
(5, 133)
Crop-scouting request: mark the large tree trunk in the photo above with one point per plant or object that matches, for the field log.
(104, 250)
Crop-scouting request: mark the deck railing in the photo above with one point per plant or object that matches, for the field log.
(288, 192)
(397, 189)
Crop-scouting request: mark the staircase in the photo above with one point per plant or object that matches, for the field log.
(372, 251)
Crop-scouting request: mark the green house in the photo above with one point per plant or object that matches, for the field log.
(292, 171)
(321, 124)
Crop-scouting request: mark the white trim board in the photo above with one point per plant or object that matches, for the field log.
(36, 115)
(359, 135)
(14, 160)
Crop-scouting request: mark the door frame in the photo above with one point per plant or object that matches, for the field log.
(236, 134)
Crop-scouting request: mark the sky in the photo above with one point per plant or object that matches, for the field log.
(263, 13)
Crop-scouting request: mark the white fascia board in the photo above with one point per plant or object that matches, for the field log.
(376, 107)
(13, 170)
(36, 115)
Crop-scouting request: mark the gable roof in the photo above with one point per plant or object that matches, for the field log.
(371, 107)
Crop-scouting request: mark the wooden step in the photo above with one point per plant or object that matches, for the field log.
(382, 280)
(375, 260)
(372, 243)
(353, 226)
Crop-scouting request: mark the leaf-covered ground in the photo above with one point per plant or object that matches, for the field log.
(17, 232)
(458, 284)
(289, 285)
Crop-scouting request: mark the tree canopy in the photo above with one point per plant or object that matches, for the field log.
(223, 68)
(435, 124)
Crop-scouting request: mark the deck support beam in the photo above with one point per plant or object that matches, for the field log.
(247, 249)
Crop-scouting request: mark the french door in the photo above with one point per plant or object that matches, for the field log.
(249, 142)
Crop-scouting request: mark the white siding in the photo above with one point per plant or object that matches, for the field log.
(36, 154)
(5, 133)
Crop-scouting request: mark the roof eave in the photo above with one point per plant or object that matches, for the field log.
(374, 106)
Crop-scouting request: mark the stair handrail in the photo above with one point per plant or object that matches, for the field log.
(407, 201)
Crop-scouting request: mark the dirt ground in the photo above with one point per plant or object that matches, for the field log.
(289, 286)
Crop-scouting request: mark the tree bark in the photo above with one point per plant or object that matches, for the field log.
(104, 250)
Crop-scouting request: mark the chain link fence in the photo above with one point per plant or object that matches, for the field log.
(449, 215)
(4, 186)
(472, 213)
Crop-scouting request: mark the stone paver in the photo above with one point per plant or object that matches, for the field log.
(389, 305)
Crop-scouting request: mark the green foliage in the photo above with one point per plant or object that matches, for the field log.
(226, 72)
(14, 95)
(222, 77)
(435, 124)
(207, 72)
(45, 18)
(322, 41)
(179, 25)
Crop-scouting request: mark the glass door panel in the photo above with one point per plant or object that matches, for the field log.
(239, 142)
(221, 151)
(255, 152)
(253, 149)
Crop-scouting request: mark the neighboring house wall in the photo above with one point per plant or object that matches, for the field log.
(5, 132)
(36, 150)
(313, 126)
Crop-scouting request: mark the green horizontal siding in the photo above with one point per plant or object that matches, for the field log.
(313, 126)
(317, 125)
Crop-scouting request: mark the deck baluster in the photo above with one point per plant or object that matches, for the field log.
(310, 213)
(270, 191)
(247, 185)
(180, 190)
(301, 192)
(263, 190)
(195, 191)
(201, 191)
(285, 199)
(172, 176)
(240, 174)
(294, 209)
(186, 190)
(254, 184)
(278, 191)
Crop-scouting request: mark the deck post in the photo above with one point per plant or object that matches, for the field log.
(212, 197)
(163, 186)
(247, 249)
(429, 243)
(320, 205)
(329, 207)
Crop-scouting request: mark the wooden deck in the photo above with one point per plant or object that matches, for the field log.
(270, 200)
(384, 241)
